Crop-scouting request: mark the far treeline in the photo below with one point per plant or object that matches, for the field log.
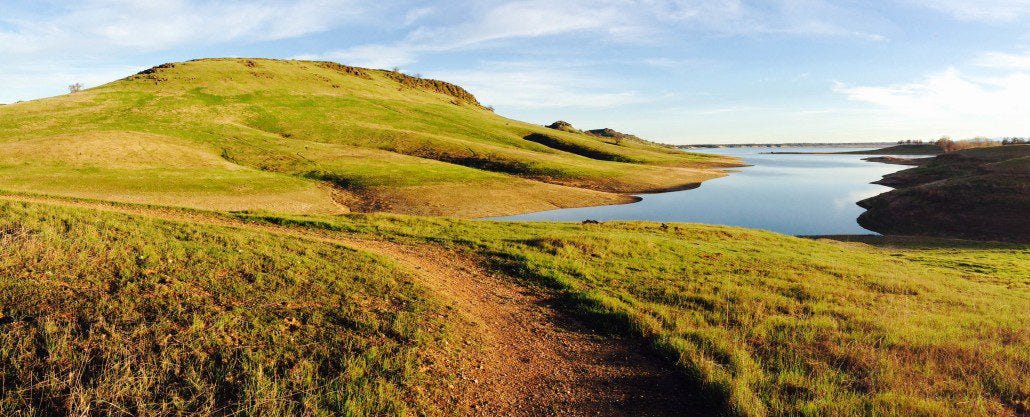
(945, 143)
(948, 145)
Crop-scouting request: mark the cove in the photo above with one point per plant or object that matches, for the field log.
(795, 194)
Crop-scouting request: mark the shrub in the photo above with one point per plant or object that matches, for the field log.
(948, 145)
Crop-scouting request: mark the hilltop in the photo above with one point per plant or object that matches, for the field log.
(979, 193)
(317, 137)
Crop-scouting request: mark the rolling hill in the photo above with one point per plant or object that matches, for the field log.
(317, 138)
(178, 242)
(979, 193)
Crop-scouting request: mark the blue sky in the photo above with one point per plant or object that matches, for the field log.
(719, 71)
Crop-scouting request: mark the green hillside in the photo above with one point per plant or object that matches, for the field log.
(318, 138)
(101, 303)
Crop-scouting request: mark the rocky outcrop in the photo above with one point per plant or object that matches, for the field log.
(563, 126)
(433, 85)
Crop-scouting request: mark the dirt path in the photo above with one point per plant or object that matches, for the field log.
(535, 361)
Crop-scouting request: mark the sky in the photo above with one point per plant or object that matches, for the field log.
(718, 71)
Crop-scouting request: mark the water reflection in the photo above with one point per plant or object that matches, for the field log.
(785, 193)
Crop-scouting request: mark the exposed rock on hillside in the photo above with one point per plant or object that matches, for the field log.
(563, 126)
(433, 85)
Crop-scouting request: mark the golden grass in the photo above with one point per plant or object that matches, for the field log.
(373, 133)
(147, 168)
(776, 325)
(112, 314)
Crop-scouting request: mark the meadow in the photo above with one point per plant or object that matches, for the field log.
(111, 314)
(318, 138)
(771, 324)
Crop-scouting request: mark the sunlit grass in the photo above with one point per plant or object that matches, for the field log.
(281, 121)
(778, 325)
(122, 315)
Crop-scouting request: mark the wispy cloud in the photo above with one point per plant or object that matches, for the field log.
(952, 101)
(613, 21)
(106, 26)
(414, 15)
(524, 19)
(808, 18)
(44, 47)
(1005, 60)
(369, 56)
(981, 10)
(22, 80)
(535, 87)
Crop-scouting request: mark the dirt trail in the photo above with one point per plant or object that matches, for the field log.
(535, 361)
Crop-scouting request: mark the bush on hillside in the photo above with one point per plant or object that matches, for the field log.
(948, 145)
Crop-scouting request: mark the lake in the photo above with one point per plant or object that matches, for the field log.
(812, 194)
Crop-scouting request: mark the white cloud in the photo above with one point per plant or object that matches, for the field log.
(43, 48)
(1005, 60)
(524, 19)
(951, 102)
(618, 21)
(105, 26)
(368, 56)
(532, 87)
(982, 10)
(414, 15)
(22, 81)
(813, 18)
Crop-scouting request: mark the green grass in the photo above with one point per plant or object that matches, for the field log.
(776, 325)
(408, 141)
(122, 315)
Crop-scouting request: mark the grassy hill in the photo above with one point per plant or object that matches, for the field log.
(102, 304)
(317, 137)
(974, 193)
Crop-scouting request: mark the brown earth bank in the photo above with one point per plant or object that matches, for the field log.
(890, 150)
(898, 161)
(979, 193)
(908, 149)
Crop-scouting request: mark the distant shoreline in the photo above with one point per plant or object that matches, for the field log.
(790, 145)
(908, 149)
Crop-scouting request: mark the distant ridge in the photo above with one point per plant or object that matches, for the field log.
(789, 145)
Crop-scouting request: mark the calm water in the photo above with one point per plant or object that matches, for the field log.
(790, 194)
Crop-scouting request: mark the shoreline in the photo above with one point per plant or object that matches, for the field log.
(667, 211)
(725, 168)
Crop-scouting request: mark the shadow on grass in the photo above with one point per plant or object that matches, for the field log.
(919, 242)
